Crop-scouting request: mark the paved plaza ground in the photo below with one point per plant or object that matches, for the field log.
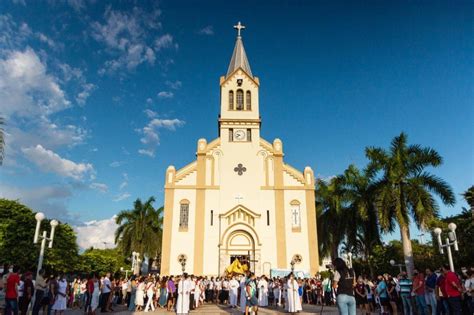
(218, 309)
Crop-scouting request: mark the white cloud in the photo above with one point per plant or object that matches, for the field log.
(124, 182)
(103, 188)
(121, 197)
(208, 30)
(26, 89)
(150, 153)
(176, 85)
(45, 39)
(151, 133)
(48, 199)
(49, 161)
(22, 2)
(150, 113)
(164, 41)
(82, 96)
(128, 38)
(77, 5)
(116, 164)
(165, 94)
(97, 234)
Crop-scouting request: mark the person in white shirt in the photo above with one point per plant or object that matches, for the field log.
(150, 291)
(197, 293)
(263, 292)
(106, 288)
(124, 291)
(293, 297)
(225, 291)
(184, 289)
(233, 292)
(469, 286)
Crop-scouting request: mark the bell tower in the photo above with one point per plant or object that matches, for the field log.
(239, 120)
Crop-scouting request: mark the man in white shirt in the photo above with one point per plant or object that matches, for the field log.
(124, 291)
(106, 288)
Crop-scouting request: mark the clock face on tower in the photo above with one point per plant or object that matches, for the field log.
(240, 135)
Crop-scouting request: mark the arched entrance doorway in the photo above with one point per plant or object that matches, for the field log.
(239, 244)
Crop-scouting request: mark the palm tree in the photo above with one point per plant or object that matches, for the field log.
(330, 202)
(2, 140)
(140, 229)
(469, 197)
(363, 232)
(404, 189)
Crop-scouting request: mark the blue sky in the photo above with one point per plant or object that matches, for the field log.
(100, 97)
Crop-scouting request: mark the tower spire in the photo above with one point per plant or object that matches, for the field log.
(239, 57)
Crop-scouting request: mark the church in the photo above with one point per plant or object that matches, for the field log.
(239, 199)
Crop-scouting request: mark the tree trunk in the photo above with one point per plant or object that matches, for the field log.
(407, 250)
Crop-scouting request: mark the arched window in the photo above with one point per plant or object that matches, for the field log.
(231, 100)
(295, 214)
(240, 100)
(183, 214)
(248, 100)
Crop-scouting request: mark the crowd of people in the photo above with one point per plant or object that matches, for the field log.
(439, 292)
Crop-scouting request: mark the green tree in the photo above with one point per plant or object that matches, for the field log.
(140, 229)
(17, 227)
(331, 198)
(103, 260)
(469, 197)
(425, 256)
(362, 233)
(405, 190)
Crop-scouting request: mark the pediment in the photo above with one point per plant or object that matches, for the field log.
(240, 213)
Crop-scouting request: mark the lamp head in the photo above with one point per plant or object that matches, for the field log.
(121, 268)
(349, 254)
(452, 227)
(392, 262)
(39, 216)
(54, 223)
(437, 231)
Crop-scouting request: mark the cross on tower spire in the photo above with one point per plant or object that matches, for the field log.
(239, 27)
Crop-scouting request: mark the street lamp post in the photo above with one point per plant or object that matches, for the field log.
(393, 263)
(136, 263)
(451, 240)
(40, 217)
(126, 271)
(348, 258)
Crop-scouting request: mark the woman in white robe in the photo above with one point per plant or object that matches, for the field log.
(293, 301)
(263, 292)
(197, 293)
(60, 304)
(184, 289)
(233, 292)
(95, 295)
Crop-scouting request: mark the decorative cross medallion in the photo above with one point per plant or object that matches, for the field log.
(239, 27)
(240, 169)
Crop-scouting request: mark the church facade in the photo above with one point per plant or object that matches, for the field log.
(239, 199)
